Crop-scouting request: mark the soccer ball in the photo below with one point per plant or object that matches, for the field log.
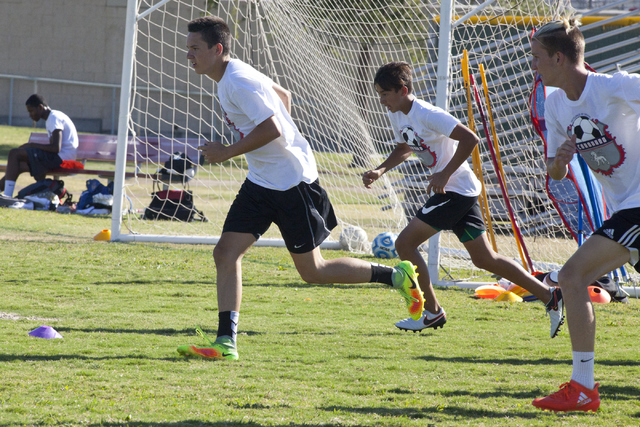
(354, 239)
(585, 130)
(384, 245)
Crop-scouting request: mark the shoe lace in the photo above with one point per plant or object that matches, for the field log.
(563, 392)
(203, 335)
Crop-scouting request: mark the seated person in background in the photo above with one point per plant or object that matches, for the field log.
(38, 159)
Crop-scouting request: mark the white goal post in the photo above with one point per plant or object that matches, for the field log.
(326, 53)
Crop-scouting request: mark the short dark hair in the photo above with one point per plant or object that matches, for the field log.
(394, 75)
(213, 30)
(35, 100)
(562, 36)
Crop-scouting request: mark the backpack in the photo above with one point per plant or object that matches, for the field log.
(94, 187)
(179, 167)
(55, 186)
(173, 205)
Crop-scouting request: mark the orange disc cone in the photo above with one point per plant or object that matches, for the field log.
(599, 295)
(103, 235)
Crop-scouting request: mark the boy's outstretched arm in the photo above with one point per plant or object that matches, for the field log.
(397, 156)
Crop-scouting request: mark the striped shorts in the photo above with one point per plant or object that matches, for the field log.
(624, 228)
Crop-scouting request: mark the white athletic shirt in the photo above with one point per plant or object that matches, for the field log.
(426, 129)
(606, 120)
(247, 99)
(69, 144)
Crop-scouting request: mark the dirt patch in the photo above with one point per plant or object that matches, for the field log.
(14, 316)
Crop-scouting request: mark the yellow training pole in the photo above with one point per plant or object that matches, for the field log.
(475, 155)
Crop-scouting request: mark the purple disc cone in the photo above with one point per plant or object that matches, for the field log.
(46, 332)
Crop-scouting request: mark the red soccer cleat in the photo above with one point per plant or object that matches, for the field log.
(572, 396)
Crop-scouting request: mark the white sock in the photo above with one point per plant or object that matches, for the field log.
(583, 368)
(8, 188)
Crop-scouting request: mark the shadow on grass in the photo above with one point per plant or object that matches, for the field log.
(198, 423)
(189, 332)
(435, 413)
(518, 362)
(59, 357)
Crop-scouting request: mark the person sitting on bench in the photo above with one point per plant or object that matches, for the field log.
(35, 158)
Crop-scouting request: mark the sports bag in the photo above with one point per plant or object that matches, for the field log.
(55, 186)
(173, 205)
(94, 187)
(179, 168)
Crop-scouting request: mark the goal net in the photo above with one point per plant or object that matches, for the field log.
(326, 53)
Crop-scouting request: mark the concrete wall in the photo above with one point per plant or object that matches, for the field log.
(62, 39)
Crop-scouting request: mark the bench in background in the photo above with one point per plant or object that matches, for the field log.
(140, 150)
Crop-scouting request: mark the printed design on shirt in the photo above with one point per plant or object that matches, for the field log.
(418, 146)
(237, 135)
(597, 146)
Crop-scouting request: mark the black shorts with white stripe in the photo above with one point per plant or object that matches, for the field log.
(624, 228)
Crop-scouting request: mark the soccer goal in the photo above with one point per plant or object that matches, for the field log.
(326, 53)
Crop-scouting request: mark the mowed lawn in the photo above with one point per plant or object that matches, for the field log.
(314, 355)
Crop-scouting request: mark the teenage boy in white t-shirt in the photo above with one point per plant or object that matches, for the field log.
(38, 159)
(281, 187)
(443, 144)
(598, 116)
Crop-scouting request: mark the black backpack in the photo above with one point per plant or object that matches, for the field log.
(173, 205)
(56, 186)
(179, 168)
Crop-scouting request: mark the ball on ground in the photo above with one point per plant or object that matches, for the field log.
(384, 245)
(354, 239)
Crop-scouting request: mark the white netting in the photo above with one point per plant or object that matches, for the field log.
(326, 53)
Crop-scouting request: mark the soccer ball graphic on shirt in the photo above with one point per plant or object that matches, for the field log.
(384, 245)
(585, 129)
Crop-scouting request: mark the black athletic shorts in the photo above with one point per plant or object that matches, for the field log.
(303, 214)
(40, 162)
(452, 211)
(624, 227)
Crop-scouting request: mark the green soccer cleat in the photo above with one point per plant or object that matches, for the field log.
(222, 348)
(405, 281)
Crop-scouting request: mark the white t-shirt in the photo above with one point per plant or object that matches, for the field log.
(426, 129)
(606, 120)
(69, 144)
(247, 99)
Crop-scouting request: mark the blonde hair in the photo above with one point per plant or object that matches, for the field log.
(562, 36)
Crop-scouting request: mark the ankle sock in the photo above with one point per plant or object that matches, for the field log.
(9, 186)
(583, 368)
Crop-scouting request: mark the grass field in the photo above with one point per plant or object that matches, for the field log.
(312, 355)
(309, 354)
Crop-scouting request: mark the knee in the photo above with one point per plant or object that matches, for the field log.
(311, 274)
(223, 256)
(569, 280)
(485, 261)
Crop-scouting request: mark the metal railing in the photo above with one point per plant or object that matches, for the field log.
(114, 97)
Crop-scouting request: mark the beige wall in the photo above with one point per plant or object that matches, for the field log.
(62, 39)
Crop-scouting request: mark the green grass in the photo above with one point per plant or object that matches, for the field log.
(309, 354)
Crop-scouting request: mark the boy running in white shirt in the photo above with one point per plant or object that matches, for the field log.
(598, 116)
(443, 144)
(282, 187)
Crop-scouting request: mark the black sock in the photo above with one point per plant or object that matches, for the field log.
(381, 274)
(228, 324)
